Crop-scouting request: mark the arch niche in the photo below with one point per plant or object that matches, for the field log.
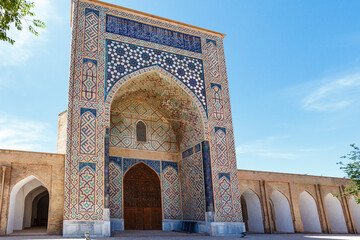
(29, 205)
(173, 116)
(281, 213)
(142, 199)
(355, 212)
(252, 212)
(154, 95)
(309, 213)
(335, 214)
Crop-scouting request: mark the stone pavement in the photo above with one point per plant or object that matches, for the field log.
(159, 235)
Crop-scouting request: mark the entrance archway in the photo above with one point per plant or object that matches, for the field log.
(252, 212)
(335, 214)
(309, 213)
(142, 199)
(281, 213)
(29, 205)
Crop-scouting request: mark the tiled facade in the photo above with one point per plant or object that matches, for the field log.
(128, 67)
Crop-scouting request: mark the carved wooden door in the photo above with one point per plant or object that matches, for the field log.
(142, 199)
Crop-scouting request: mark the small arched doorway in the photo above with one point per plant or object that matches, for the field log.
(251, 209)
(142, 199)
(309, 213)
(335, 214)
(281, 213)
(29, 206)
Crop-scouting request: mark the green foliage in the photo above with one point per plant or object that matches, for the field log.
(15, 12)
(352, 170)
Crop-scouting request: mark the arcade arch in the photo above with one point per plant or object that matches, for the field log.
(29, 204)
(252, 212)
(335, 214)
(281, 213)
(355, 212)
(309, 213)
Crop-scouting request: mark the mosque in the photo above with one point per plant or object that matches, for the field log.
(147, 144)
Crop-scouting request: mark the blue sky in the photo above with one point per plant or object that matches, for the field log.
(293, 70)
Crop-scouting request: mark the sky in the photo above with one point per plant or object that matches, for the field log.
(293, 69)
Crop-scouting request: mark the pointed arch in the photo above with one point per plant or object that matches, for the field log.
(142, 198)
(145, 162)
(252, 209)
(17, 202)
(282, 213)
(309, 213)
(355, 212)
(335, 214)
(164, 74)
(141, 131)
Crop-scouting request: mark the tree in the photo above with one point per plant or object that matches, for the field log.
(16, 12)
(352, 170)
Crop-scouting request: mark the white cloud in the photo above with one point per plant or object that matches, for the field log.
(334, 95)
(263, 148)
(19, 134)
(26, 42)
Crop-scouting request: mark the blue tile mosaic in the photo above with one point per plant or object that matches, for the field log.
(188, 152)
(84, 110)
(142, 31)
(164, 164)
(123, 58)
(129, 162)
(209, 195)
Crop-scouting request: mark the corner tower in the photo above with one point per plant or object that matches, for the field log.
(150, 139)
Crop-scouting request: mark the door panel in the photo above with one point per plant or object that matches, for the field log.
(142, 199)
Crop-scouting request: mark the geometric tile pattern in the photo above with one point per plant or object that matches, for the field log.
(129, 162)
(88, 132)
(138, 30)
(221, 146)
(213, 58)
(124, 118)
(115, 187)
(169, 103)
(124, 58)
(171, 193)
(89, 80)
(225, 194)
(101, 104)
(91, 30)
(222, 161)
(87, 175)
(218, 108)
(209, 195)
(192, 187)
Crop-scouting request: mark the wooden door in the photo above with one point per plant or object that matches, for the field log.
(142, 199)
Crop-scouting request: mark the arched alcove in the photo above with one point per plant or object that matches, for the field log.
(30, 209)
(142, 199)
(21, 203)
(252, 212)
(160, 103)
(282, 213)
(309, 213)
(335, 214)
(174, 120)
(355, 212)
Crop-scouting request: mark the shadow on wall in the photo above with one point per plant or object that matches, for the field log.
(29, 205)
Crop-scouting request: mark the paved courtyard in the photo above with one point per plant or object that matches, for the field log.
(159, 235)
